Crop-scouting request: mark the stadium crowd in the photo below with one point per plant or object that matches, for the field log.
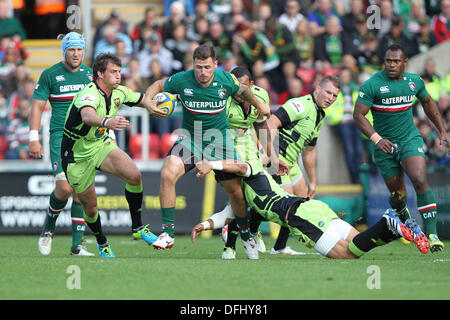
(288, 45)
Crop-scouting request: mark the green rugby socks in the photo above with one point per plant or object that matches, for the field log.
(54, 209)
(243, 227)
(78, 223)
(426, 204)
(168, 218)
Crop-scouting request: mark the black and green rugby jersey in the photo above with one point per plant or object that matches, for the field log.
(81, 141)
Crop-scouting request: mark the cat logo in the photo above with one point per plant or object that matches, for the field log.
(222, 93)
(117, 102)
(412, 86)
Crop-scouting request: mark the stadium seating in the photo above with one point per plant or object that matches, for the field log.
(135, 146)
(166, 143)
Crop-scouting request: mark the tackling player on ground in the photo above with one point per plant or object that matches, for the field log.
(59, 84)
(310, 221)
(389, 94)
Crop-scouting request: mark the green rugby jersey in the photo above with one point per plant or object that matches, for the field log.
(59, 85)
(391, 104)
(301, 121)
(242, 131)
(203, 107)
(81, 141)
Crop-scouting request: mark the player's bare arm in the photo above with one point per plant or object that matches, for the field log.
(203, 167)
(265, 137)
(432, 112)
(37, 109)
(90, 117)
(309, 162)
(359, 117)
(246, 94)
(147, 101)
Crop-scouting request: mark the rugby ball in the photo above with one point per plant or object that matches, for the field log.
(166, 102)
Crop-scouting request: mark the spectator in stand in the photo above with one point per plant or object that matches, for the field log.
(9, 25)
(369, 60)
(318, 18)
(178, 44)
(329, 46)
(263, 82)
(110, 35)
(441, 23)
(340, 117)
(189, 6)
(227, 61)
(292, 16)
(114, 19)
(156, 51)
(253, 46)
(425, 38)
(350, 19)
(282, 39)
(354, 39)
(123, 55)
(11, 60)
(237, 16)
(433, 82)
(413, 17)
(14, 80)
(199, 31)
(177, 16)
(18, 132)
(387, 13)
(304, 44)
(148, 22)
(295, 89)
(220, 39)
(397, 36)
(221, 8)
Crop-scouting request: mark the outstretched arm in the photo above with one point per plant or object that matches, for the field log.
(147, 101)
(246, 94)
(203, 167)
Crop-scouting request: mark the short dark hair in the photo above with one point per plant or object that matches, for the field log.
(205, 51)
(101, 62)
(242, 71)
(397, 47)
(331, 78)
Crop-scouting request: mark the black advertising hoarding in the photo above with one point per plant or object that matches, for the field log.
(24, 200)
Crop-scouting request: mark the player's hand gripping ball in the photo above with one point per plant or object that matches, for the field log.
(166, 102)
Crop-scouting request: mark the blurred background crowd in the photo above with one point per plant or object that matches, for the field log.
(288, 45)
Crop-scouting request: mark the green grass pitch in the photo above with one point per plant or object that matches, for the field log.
(197, 272)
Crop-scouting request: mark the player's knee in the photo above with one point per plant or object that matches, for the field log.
(63, 191)
(135, 178)
(420, 184)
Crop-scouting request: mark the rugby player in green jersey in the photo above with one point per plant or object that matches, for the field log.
(310, 221)
(246, 124)
(58, 85)
(389, 95)
(203, 93)
(87, 147)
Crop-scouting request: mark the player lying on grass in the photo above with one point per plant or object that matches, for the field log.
(312, 221)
